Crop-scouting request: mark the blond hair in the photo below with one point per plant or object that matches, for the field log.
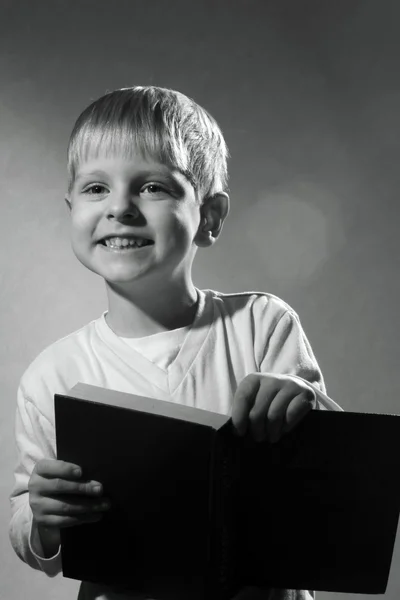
(162, 124)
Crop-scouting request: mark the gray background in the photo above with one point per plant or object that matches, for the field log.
(307, 94)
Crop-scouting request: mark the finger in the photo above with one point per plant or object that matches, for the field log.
(70, 506)
(258, 416)
(243, 402)
(51, 468)
(275, 417)
(57, 486)
(297, 410)
(65, 521)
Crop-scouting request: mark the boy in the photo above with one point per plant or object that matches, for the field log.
(147, 187)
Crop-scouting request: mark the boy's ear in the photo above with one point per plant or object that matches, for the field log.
(68, 202)
(213, 212)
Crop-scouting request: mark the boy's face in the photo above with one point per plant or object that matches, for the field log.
(133, 198)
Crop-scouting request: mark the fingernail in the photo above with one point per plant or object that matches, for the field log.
(97, 489)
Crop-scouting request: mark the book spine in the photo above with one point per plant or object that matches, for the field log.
(223, 534)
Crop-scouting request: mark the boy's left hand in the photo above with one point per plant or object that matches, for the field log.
(270, 405)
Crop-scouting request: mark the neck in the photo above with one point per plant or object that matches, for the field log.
(137, 313)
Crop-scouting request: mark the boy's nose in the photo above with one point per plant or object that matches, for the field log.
(122, 205)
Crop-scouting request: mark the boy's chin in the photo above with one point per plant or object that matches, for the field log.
(122, 279)
(123, 276)
(119, 272)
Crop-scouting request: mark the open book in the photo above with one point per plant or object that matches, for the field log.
(197, 512)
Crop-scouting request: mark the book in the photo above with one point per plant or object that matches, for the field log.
(198, 512)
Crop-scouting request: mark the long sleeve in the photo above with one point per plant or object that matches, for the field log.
(288, 352)
(34, 436)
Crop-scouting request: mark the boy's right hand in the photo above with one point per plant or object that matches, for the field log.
(60, 498)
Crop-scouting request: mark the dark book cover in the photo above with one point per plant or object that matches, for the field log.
(199, 513)
(164, 467)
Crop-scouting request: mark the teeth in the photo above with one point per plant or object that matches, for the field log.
(124, 243)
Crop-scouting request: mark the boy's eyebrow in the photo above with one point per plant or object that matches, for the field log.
(91, 174)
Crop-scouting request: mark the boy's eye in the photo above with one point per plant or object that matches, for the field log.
(95, 189)
(154, 188)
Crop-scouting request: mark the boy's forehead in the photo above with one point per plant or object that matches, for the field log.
(119, 163)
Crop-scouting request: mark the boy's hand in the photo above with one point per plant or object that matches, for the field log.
(60, 498)
(270, 405)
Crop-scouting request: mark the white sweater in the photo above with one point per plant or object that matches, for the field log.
(232, 335)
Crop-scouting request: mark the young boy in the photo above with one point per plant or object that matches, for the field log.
(147, 188)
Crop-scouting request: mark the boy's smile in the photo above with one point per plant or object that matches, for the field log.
(132, 218)
(125, 242)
